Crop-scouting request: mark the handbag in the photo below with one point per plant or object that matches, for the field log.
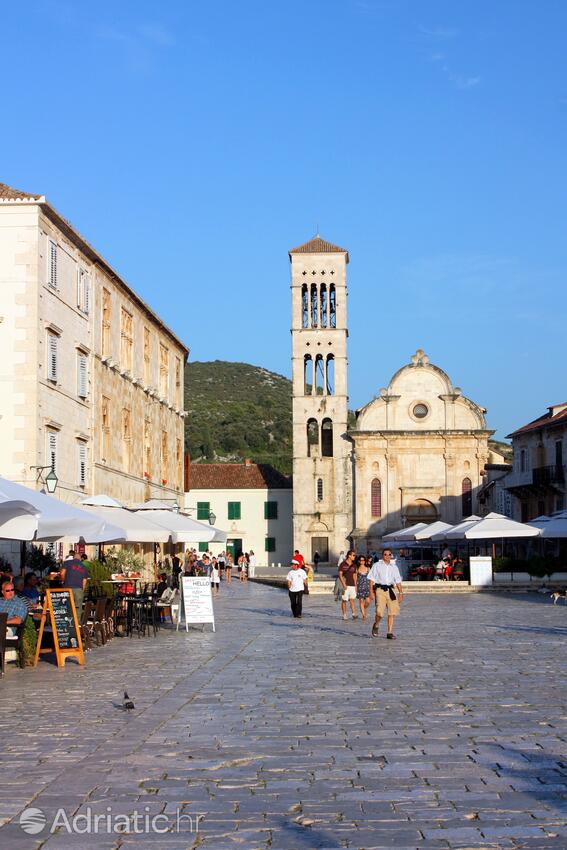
(306, 588)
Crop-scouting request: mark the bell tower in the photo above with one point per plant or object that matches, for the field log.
(322, 465)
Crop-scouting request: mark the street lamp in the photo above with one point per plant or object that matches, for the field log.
(50, 480)
(212, 518)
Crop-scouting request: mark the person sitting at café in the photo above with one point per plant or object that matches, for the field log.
(19, 592)
(30, 588)
(161, 585)
(13, 606)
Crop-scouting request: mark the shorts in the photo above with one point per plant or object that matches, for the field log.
(384, 603)
(348, 593)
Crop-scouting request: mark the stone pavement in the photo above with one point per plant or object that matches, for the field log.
(289, 734)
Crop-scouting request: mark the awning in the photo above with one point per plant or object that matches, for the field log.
(456, 532)
(43, 517)
(405, 533)
(430, 531)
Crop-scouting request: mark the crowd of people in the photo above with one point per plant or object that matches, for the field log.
(366, 579)
(216, 567)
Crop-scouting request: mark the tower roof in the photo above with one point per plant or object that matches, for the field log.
(318, 246)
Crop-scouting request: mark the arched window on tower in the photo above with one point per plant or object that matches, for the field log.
(330, 374)
(327, 438)
(323, 300)
(466, 497)
(376, 498)
(314, 306)
(332, 306)
(307, 375)
(304, 306)
(312, 438)
(319, 489)
(319, 375)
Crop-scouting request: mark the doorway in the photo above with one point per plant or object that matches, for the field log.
(234, 546)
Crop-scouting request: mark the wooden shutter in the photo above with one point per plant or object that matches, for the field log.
(376, 498)
(82, 464)
(52, 264)
(52, 352)
(82, 376)
(87, 293)
(79, 288)
(52, 449)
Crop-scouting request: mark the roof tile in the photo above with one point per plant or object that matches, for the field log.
(318, 246)
(545, 421)
(236, 476)
(8, 193)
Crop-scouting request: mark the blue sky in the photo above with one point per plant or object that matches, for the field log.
(195, 143)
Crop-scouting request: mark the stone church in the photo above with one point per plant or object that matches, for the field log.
(416, 452)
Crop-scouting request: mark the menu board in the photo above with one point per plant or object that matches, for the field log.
(64, 619)
(60, 605)
(196, 601)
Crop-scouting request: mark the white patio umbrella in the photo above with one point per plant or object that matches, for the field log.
(138, 527)
(49, 518)
(430, 531)
(182, 528)
(405, 533)
(499, 526)
(457, 531)
(556, 526)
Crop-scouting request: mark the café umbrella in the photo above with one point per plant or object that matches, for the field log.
(182, 528)
(43, 517)
(495, 525)
(138, 528)
(429, 532)
(405, 533)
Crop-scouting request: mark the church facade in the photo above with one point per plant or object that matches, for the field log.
(415, 453)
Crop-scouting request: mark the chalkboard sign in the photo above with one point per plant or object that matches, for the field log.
(64, 619)
(60, 604)
(196, 601)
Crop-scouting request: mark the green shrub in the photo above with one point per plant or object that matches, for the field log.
(29, 643)
(99, 572)
(38, 561)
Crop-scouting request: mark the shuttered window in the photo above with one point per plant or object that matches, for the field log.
(52, 267)
(270, 545)
(270, 511)
(234, 510)
(82, 375)
(376, 498)
(203, 510)
(52, 356)
(81, 464)
(52, 450)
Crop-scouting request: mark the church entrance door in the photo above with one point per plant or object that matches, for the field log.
(420, 510)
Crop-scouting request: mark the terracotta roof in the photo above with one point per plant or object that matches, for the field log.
(318, 246)
(548, 420)
(236, 476)
(8, 193)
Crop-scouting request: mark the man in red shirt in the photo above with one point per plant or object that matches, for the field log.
(348, 573)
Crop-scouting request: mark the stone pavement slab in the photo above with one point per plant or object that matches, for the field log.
(283, 734)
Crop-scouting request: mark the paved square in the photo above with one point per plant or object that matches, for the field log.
(285, 734)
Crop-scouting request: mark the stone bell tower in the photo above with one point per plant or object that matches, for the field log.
(322, 453)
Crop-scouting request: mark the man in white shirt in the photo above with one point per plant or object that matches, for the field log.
(296, 579)
(386, 590)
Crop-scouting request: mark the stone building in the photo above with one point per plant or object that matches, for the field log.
(251, 502)
(537, 480)
(416, 452)
(91, 378)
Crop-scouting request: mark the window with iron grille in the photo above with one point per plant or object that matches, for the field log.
(319, 489)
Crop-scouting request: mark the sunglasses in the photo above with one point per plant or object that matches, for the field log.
(8, 590)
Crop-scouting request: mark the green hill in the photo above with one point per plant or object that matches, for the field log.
(238, 411)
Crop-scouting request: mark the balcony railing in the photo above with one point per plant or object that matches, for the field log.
(549, 475)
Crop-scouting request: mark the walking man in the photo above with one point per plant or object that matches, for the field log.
(348, 572)
(386, 590)
(296, 579)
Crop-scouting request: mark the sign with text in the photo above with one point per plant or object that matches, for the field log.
(481, 571)
(60, 605)
(196, 601)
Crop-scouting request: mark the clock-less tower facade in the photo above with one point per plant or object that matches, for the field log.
(322, 451)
